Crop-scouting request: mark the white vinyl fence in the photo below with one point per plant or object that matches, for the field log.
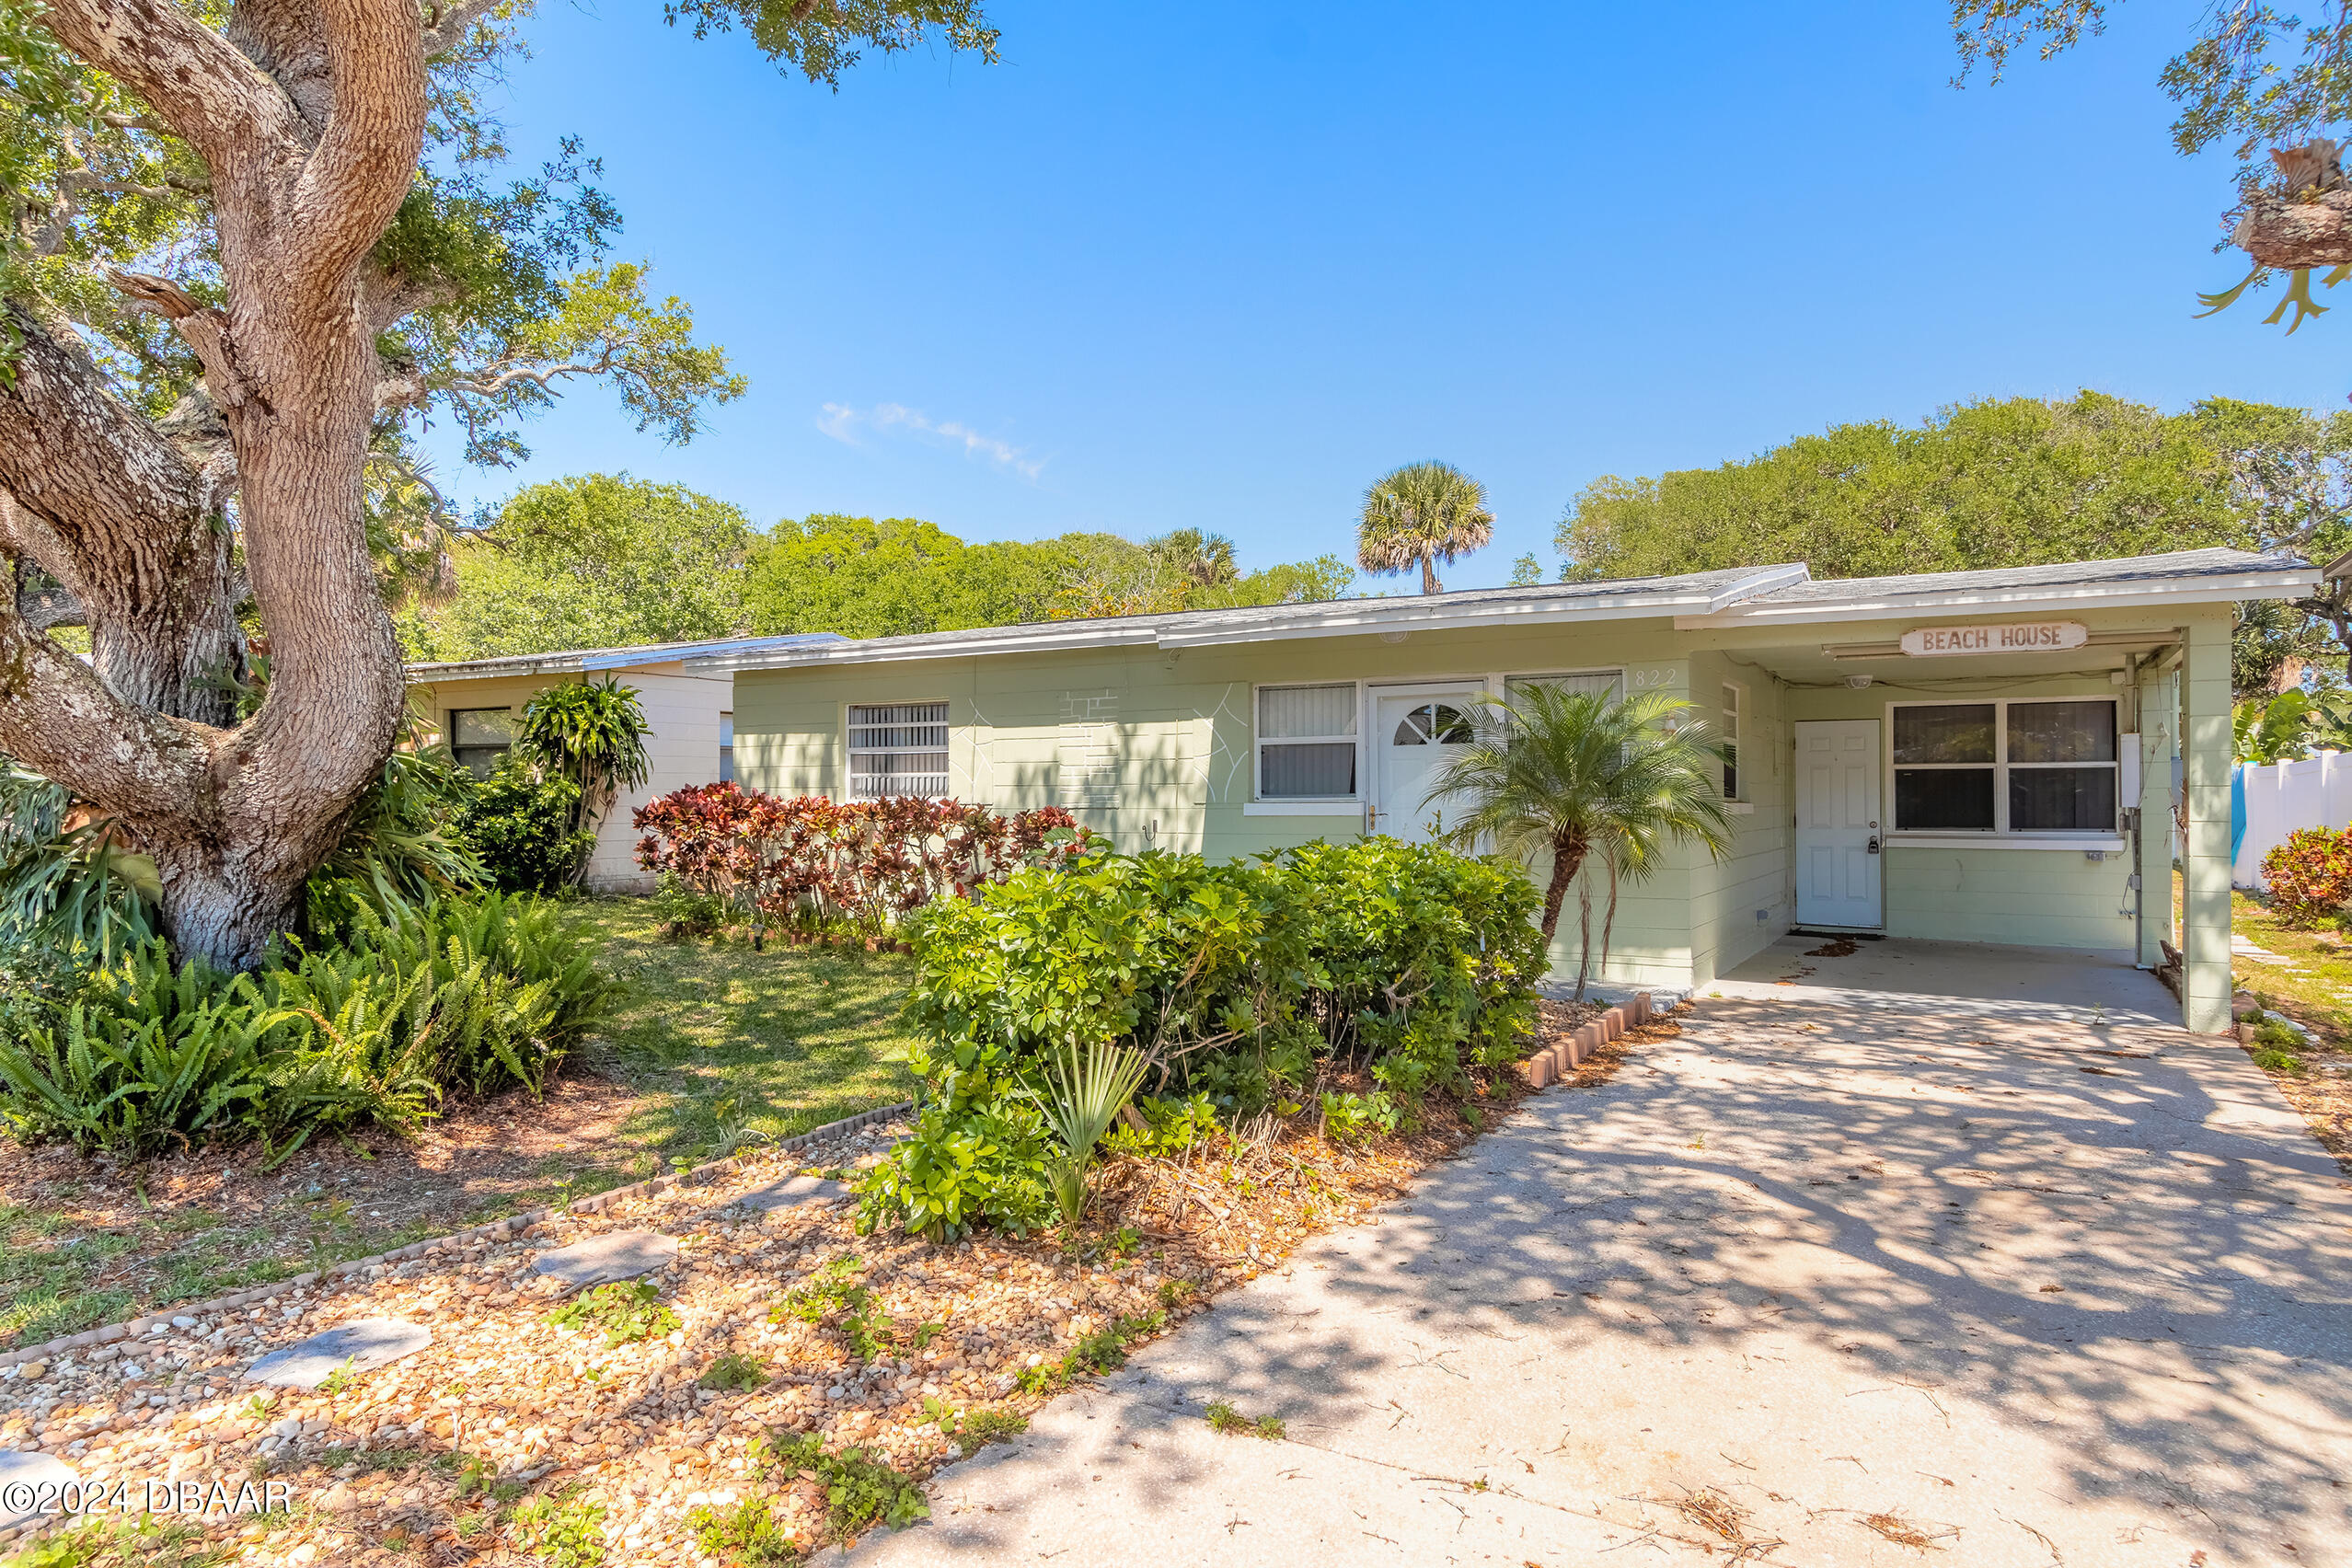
(2281, 797)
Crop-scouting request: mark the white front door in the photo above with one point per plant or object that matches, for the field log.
(1837, 810)
(1415, 731)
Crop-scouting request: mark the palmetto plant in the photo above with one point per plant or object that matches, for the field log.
(1089, 1086)
(1559, 778)
(592, 733)
(1421, 514)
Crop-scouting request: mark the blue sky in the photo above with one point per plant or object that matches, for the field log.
(1220, 266)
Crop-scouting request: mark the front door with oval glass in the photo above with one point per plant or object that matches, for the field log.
(1415, 732)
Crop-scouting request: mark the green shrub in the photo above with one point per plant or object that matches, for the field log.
(1416, 956)
(401, 848)
(1347, 1117)
(521, 824)
(687, 913)
(1233, 980)
(1172, 1124)
(67, 884)
(2310, 876)
(142, 1055)
(498, 987)
(1163, 951)
(982, 1160)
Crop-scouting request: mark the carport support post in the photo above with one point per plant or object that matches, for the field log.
(2158, 722)
(2206, 744)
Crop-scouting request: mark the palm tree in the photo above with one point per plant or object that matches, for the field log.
(1419, 514)
(1205, 559)
(1566, 776)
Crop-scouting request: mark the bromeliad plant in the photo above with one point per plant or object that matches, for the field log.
(1088, 1088)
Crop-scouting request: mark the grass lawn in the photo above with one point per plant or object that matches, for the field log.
(2314, 986)
(796, 1037)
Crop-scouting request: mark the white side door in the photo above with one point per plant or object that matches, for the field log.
(1415, 731)
(1838, 837)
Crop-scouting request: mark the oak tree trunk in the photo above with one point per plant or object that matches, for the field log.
(309, 125)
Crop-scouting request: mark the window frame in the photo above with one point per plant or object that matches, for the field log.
(2002, 832)
(1495, 683)
(449, 731)
(1735, 712)
(726, 746)
(1258, 744)
(851, 751)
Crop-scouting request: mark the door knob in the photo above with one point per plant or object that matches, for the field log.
(1873, 844)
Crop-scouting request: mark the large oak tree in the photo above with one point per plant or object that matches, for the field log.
(249, 244)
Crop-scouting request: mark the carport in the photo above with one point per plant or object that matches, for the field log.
(1994, 772)
(1956, 980)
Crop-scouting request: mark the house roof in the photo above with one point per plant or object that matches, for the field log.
(1736, 595)
(1696, 593)
(2178, 577)
(582, 659)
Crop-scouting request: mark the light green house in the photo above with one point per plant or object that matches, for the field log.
(1982, 756)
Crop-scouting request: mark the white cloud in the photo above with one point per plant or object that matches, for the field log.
(846, 425)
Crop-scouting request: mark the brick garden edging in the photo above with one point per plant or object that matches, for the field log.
(496, 1229)
(1561, 1057)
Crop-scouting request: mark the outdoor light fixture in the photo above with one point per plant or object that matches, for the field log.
(1858, 682)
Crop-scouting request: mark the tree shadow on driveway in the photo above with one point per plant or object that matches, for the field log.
(2027, 1292)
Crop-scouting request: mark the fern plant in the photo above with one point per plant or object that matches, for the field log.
(148, 1056)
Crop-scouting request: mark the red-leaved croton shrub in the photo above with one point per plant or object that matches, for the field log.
(811, 861)
(2310, 875)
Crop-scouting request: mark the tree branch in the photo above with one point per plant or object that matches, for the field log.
(367, 155)
(446, 26)
(93, 468)
(60, 720)
(2290, 231)
(209, 94)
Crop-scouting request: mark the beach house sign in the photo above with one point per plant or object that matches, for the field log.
(2032, 637)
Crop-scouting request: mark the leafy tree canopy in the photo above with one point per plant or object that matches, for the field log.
(1999, 482)
(864, 578)
(2255, 82)
(598, 561)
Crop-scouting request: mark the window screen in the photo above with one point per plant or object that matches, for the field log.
(479, 736)
(1307, 741)
(726, 748)
(898, 748)
(2061, 766)
(2006, 766)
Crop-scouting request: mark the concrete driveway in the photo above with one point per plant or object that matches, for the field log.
(1803, 1286)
